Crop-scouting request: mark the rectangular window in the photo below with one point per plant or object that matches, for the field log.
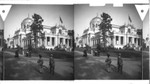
(48, 40)
(117, 39)
(139, 42)
(61, 40)
(53, 41)
(121, 40)
(66, 41)
(134, 40)
(130, 39)
(70, 42)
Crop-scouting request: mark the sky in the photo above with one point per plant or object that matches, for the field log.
(84, 13)
(146, 29)
(50, 14)
(1, 23)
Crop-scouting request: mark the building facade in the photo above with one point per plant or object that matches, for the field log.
(53, 36)
(124, 35)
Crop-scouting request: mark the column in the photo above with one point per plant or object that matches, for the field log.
(45, 41)
(56, 41)
(125, 39)
(136, 41)
(119, 40)
(64, 43)
(133, 40)
(50, 41)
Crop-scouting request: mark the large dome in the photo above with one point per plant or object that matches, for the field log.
(94, 24)
(96, 20)
(27, 20)
(26, 23)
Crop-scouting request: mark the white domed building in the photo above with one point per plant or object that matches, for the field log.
(121, 35)
(90, 31)
(21, 36)
(54, 35)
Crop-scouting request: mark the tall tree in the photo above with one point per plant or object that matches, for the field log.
(105, 27)
(37, 28)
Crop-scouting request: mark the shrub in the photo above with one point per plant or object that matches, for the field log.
(128, 53)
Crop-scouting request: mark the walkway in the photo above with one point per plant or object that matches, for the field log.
(94, 68)
(26, 68)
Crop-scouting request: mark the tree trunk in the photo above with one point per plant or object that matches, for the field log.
(35, 40)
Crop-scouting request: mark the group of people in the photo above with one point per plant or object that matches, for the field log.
(119, 63)
(19, 49)
(51, 64)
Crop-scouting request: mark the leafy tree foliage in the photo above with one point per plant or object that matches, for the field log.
(105, 27)
(37, 28)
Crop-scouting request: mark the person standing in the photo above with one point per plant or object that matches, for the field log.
(40, 63)
(29, 50)
(85, 52)
(120, 63)
(17, 52)
(52, 64)
(108, 63)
